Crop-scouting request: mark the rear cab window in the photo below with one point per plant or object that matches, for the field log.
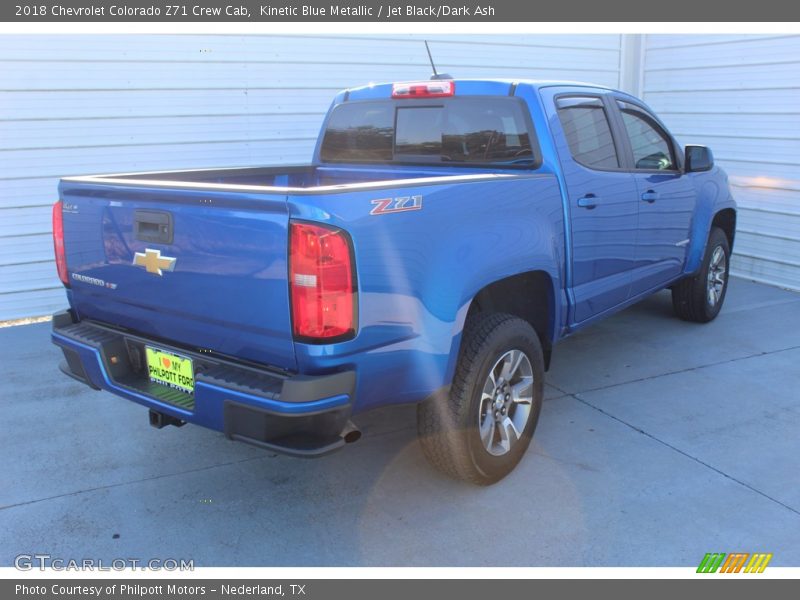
(467, 131)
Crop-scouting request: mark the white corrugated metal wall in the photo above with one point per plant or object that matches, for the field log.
(740, 95)
(76, 104)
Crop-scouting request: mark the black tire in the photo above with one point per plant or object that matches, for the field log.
(448, 425)
(691, 299)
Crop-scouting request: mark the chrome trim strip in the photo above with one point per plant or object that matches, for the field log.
(346, 187)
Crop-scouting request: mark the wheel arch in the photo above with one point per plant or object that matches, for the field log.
(529, 296)
(725, 219)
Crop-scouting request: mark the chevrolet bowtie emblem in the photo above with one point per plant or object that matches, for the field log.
(153, 262)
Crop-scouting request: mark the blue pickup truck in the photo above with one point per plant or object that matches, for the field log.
(445, 236)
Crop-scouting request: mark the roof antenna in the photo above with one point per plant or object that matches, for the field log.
(433, 66)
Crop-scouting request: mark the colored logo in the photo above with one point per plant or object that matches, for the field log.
(153, 262)
(385, 206)
(736, 562)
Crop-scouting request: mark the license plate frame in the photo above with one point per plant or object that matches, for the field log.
(170, 369)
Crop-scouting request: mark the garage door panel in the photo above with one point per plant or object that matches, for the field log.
(162, 130)
(86, 161)
(743, 50)
(32, 303)
(722, 101)
(759, 126)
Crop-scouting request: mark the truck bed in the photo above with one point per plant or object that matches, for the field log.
(200, 257)
(298, 179)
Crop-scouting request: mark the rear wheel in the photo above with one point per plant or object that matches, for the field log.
(700, 298)
(482, 428)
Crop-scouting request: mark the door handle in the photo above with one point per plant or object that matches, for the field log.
(650, 196)
(589, 201)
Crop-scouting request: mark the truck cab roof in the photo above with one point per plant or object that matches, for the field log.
(463, 87)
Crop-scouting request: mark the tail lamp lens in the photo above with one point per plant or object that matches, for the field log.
(58, 243)
(321, 282)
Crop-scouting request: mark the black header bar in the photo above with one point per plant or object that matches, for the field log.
(733, 588)
(469, 11)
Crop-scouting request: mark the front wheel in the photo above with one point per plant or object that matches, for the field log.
(482, 428)
(700, 298)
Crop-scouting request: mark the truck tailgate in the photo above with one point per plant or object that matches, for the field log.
(202, 269)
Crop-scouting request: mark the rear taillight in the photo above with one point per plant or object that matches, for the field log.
(321, 283)
(58, 243)
(424, 89)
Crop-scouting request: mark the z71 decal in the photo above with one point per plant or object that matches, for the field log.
(384, 206)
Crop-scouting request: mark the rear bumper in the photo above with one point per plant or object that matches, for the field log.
(298, 415)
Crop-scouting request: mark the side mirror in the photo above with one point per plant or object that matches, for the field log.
(698, 158)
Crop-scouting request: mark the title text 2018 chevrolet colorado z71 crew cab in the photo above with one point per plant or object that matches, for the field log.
(445, 236)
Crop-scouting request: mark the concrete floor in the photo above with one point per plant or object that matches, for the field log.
(659, 441)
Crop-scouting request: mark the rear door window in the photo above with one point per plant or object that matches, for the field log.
(588, 132)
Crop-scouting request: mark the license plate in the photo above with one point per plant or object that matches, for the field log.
(170, 369)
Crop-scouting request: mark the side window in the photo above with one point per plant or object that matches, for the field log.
(588, 133)
(651, 145)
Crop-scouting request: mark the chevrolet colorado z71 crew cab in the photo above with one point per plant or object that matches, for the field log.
(445, 236)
